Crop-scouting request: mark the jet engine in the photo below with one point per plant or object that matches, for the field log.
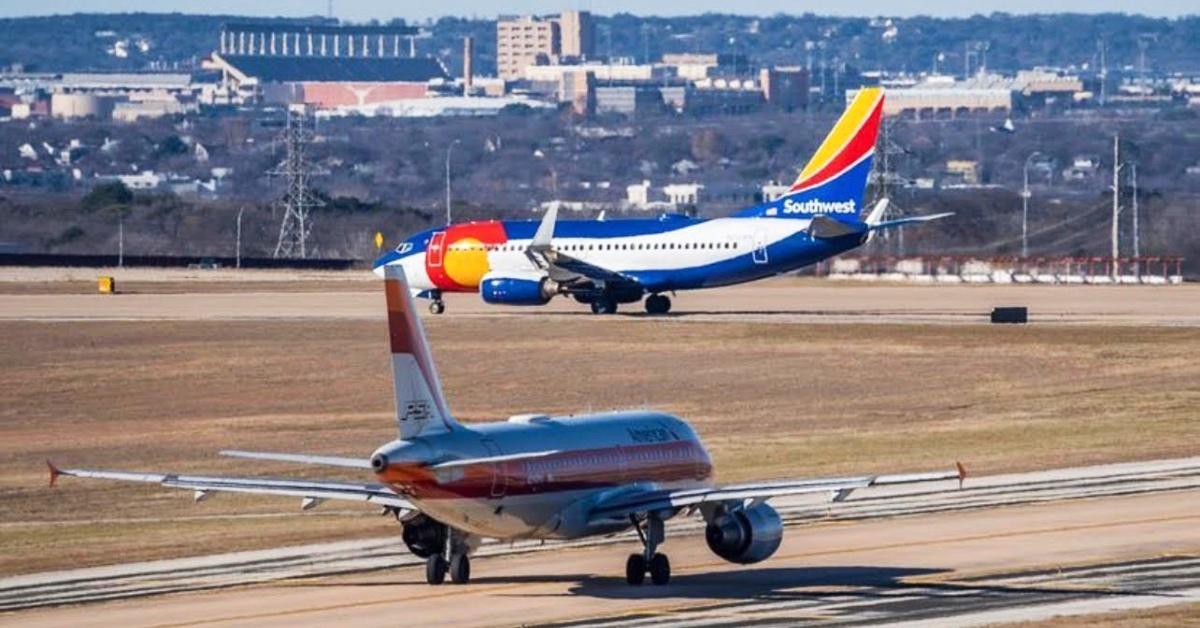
(424, 536)
(517, 288)
(745, 535)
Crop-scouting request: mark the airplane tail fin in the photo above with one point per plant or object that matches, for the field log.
(420, 405)
(835, 179)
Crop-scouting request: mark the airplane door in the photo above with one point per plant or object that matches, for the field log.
(499, 472)
(437, 248)
(760, 247)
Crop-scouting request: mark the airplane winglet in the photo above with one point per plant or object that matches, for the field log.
(54, 472)
(962, 473)
(545, 230)
(877, 212)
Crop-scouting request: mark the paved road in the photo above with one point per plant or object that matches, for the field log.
(1005, 547)
(782, 300)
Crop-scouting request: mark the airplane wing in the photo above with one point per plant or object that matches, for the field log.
(564, 268)
(312, 492)
(623, 505)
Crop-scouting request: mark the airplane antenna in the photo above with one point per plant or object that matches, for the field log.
(1116, 204)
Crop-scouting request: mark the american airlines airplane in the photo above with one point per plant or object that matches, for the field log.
(533, 476)
(604, 263)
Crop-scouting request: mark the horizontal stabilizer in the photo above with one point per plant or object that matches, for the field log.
(824, 227)
(466, 462)
(910, 220)
(327, 461)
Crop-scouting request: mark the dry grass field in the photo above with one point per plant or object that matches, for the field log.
(770, 400)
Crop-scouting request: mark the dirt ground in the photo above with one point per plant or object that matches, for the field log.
(1175, 616)
(769, 400)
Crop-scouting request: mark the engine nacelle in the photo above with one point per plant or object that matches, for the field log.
(424, 536)
(746, 535)
(517, 289)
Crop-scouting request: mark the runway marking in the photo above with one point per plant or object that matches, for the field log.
(659, 610)
(335, 607)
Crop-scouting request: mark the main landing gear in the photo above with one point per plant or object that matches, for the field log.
(649, 561)
(658, 304)
(458, 566)
(604, 305)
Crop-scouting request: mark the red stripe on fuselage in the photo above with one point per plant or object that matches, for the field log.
(567, 471)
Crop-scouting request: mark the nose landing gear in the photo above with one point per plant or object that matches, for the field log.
(437, 305)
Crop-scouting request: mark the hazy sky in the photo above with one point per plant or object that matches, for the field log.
(360, 10)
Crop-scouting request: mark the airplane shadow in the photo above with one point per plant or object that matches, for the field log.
(786, 583)
(817, 582)
(773, 583)
(736, 314)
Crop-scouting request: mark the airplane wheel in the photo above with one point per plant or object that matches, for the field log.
(435, 569)
(635, 569)
(658, 304)
(460, 569)
(604, 305)
(437, 307)
(660, 569)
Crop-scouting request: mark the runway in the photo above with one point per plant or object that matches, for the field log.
(1009, 547)
(783, 300)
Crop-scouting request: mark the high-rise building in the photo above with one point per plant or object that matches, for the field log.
(578, 34)
(530, 40)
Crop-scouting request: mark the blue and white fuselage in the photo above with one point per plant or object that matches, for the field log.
(622, 261)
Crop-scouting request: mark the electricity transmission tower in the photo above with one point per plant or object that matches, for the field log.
(298, 199)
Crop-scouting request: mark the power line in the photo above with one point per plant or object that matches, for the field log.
(298, 199)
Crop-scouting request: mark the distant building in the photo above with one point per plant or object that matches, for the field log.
(628, 99)
(530, 40)
(321, 65)
(577, 34)
(1082, 168)
(683, 193)
(80, 106)
(962, 172)
(725, 96)
(785, 87)
(942, 96)
(698, 66)
(773, 191)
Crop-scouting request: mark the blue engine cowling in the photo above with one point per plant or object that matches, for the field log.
(517, 289)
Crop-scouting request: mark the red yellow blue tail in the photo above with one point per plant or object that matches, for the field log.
(850, 141)
(835, 179)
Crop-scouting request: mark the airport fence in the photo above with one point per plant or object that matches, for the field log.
(171, 261)
(1157, 270)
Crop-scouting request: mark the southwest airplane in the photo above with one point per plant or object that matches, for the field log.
(603, 263)
(532, 476)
